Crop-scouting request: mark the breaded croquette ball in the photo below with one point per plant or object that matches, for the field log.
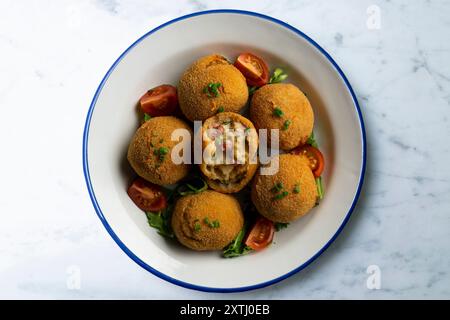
(209, 85)
(283, 106)
(207, 221)
(288, 194)
(230, 145)
(149, 152)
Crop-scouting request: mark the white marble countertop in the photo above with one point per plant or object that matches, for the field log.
(53, 56)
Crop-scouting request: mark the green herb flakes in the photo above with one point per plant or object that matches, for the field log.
(280, 195)
(212, 89)
(286, 125)
(278, 112)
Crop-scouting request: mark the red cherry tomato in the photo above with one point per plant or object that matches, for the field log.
(253, 68)
(261, 235)
(314, 156)
(147, 196)
(160, 101)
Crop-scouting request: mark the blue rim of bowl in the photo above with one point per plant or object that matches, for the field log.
(190, 285)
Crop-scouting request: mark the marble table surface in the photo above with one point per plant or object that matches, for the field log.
(396, 55)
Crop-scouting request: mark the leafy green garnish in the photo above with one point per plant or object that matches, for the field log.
(237, 247)
(280, 225)
(286, 125)
(280, 195)
(320, 190)
(147, 117)
(212, 89)
(161, 221)
(297, 188)
(278, 112)
(193, 186)
(278, 76)
(221, 109)
(312, 141)
(251, 90)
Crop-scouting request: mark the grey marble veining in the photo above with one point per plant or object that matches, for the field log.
(52, 63)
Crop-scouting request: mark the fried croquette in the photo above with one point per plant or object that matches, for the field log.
(230, 145)
(207, 221)
(288, 194)
(209, 85)
(149, 152)
(283, 106)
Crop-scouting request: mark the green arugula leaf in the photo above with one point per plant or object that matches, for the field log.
(280, 225)
(161, 222)
(192, 186)
(237, 247)
(320, 189)
(147, 117)
(251, 90)
(312, 141)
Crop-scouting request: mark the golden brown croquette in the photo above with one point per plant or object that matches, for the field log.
(207, 221)
(209, 85)
(288, 194)
(283, 106)
(149, 152)
(230, 145)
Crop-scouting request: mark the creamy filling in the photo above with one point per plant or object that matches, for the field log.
(227, 151)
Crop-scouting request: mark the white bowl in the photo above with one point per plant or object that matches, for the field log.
(160, 56)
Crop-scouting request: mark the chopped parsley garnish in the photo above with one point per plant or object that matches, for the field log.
(247, 130)
(212, 89)
(286, 124)
(297, 188)
(278, 76)
(161, 153)
(278, 112)
(221, 109)
(197, 226)
(213, 224)
(280, 225)
(277, 187)
(147, 117)
(280, 195)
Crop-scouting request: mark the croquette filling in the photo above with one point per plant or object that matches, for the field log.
(227, 151)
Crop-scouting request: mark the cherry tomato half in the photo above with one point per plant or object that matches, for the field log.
(253, 68)
(261, 235)
(147, 196)
(160, 101)
(314, 156)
